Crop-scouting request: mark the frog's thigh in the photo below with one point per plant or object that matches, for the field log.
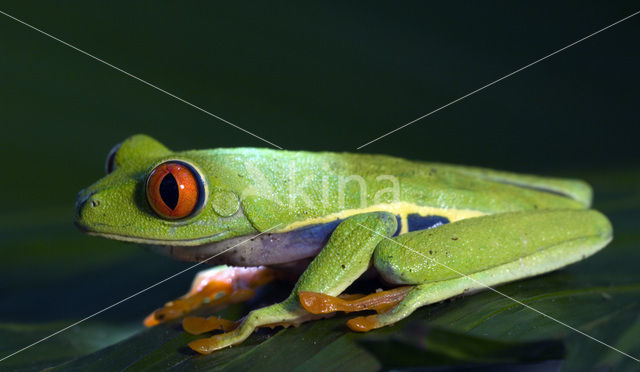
(345, 257)
(484, 252)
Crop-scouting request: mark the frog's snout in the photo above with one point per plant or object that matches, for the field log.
(86, 200)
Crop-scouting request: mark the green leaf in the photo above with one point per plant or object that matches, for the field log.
(70, 344)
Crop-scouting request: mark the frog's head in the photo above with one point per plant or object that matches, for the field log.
(155, 196)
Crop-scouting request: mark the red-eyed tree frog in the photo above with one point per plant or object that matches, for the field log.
(431, 231)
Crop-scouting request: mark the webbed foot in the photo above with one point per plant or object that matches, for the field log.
(219, 286)
(320, 303)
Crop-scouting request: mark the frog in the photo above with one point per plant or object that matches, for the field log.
(429, 231)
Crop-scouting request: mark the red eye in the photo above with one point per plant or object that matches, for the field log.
(174, 190)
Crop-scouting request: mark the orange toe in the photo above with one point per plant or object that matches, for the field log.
(363, 323)
(150, 320)
(320, 303)
(203, 346)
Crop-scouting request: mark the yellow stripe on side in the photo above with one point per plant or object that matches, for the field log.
(402, 209)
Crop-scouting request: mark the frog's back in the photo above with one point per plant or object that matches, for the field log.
(300, 188)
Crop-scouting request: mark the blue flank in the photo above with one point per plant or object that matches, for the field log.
(418, 222)
(308, 241)
(321, 232)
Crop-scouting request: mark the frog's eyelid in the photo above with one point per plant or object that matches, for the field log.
(110, 162)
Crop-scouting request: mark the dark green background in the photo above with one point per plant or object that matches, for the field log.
(322, 76)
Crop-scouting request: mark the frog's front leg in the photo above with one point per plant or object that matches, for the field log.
(219, 285)
(482, 252)
(345, 257)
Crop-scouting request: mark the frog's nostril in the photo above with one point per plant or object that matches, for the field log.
(85, 198)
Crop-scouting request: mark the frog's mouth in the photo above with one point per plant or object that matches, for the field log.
(150, 241)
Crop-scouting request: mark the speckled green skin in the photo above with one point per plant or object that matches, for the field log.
(262, 180)
(530, 225)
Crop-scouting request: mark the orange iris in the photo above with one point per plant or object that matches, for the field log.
(173, 190)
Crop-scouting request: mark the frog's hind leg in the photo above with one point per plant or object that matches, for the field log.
(217, 286)
(544, 241)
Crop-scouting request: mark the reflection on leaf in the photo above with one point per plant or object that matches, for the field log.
(418, 344)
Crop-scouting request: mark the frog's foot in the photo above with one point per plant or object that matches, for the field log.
(218, 286)
(284, 314)
(198, 325)
(272, 316)
(320, 303)
(239, 334)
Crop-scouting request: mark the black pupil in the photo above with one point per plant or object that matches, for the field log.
(169, 191)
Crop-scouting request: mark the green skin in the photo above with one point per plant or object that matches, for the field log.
(503, 226)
